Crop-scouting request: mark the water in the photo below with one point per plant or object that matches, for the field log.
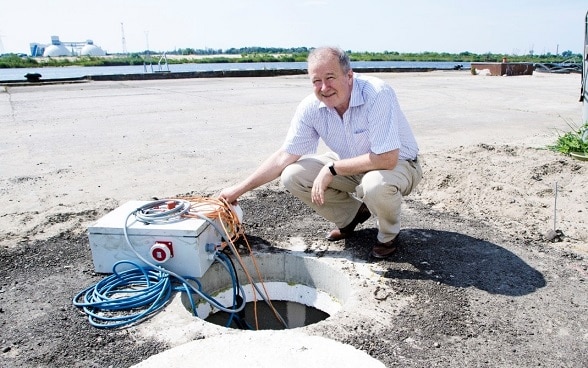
(295, 315)
(17, 74)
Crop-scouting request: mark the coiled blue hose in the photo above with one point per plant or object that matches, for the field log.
(130, 296)
(110, 302)
(127, 297)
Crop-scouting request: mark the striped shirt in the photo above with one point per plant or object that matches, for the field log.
(373, 122)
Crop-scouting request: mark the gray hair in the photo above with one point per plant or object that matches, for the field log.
(321, 52)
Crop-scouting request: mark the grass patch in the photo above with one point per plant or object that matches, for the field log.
(574, 140)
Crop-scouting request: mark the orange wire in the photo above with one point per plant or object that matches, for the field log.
(218, 208)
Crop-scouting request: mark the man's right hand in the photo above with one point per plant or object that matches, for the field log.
(320, 184)
(230, 194)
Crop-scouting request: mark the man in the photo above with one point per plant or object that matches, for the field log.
(374, 163)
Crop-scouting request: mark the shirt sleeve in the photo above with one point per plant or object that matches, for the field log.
(302, 137)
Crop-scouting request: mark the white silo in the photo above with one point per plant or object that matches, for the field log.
(90, 49)
(56, 48)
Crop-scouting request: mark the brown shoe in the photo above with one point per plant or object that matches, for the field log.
(384, 250)
(362, 215)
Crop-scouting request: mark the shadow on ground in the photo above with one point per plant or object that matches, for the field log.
(463, 261)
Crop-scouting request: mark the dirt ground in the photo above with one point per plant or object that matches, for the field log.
(482, 289)
(481, 278)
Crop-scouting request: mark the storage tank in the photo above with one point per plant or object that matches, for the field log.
(56, 50)
(90, 49)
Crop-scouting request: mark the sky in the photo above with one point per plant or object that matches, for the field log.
(511, 27)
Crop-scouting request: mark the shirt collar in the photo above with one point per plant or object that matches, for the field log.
(356, 95)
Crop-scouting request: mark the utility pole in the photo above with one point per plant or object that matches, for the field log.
(124, 41)
(147, 42)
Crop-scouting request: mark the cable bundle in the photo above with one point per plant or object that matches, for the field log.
(127, 297)
(162, 211)
(221, 210)
(107, 304)
(216, 208)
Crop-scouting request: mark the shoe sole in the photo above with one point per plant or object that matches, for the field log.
(382, 256)
(389, 250)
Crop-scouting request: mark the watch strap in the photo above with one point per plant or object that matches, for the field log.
(332, 168)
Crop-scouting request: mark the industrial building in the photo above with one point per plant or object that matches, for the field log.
(61, 48)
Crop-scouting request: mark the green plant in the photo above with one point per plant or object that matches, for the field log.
(15, 61)
(575, 140)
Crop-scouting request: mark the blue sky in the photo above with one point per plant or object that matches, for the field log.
(498, 26)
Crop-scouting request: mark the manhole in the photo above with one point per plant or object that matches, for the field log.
(302, 290)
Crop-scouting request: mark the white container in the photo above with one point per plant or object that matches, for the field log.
(178, 246)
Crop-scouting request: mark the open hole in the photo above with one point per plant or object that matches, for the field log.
(302, 290)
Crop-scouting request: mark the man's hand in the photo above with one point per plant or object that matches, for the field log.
(230, 194)
(320, 184)
(269, 170)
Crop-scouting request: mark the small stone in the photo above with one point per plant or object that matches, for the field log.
(554, 236)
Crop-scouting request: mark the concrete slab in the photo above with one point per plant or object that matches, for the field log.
(166, 136)
(262, 349)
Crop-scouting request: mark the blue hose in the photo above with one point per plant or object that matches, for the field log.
(237, 316)
(131, 296)
(127, 297)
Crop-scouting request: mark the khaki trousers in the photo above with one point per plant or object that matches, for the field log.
(380, 190)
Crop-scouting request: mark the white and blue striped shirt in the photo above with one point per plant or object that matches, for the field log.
(373, 122)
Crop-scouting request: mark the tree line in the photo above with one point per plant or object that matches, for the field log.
(273, 54)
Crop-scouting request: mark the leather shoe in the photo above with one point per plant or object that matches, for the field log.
(384, 250)
(362, 215)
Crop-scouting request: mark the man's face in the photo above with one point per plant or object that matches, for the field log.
(331, 85)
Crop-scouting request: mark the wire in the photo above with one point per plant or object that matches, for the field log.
(126, 297)
(216, 209)
(136, 289)
(155, 212)
(221, 210)
(237, 317)
(182, 279)
(146, 290)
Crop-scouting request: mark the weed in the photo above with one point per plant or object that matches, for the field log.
(575, 140)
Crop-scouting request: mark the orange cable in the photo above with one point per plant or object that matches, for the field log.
(228, 218)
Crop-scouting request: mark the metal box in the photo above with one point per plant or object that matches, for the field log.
(178, 246)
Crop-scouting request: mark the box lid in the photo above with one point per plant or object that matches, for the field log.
(114, 222)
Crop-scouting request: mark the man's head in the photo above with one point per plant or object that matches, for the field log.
(331, 76)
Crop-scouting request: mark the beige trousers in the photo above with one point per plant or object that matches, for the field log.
(380, 190)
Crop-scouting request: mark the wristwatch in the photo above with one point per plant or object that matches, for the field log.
(331, 166)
